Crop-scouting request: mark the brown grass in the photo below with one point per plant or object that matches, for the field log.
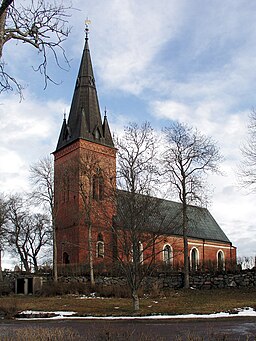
(177, 302)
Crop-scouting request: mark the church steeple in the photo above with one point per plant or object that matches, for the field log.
(84, 121)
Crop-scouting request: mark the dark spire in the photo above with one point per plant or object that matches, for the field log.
(84, 119)
(106, 130)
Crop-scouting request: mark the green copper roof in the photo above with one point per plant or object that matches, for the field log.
(165, 217)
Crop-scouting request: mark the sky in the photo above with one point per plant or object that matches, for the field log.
(159, 60)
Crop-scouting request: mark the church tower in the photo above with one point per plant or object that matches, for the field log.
(85, 173)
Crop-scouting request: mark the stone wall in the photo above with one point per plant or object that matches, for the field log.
(161, 281)
(244, 278)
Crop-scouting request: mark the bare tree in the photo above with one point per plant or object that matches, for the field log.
(26, 233)
(42, 178)
(247, 168)
(3, 215)
(136, 210)
(40, 24)
(187, 158)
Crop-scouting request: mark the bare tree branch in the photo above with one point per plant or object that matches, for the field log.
(247, 168)
(187, 158)
(42, 25)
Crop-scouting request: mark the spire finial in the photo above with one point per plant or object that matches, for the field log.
(64, 115)
(87, 23)
(105, 112)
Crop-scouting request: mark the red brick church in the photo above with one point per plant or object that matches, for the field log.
(85, 179)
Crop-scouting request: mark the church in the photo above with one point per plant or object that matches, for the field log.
(85, 180)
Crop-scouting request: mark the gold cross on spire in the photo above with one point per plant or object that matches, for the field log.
(87, 23)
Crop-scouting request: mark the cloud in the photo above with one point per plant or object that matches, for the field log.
(29, 131)
(128, 37)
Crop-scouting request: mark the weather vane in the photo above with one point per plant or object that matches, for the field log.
(87, 23)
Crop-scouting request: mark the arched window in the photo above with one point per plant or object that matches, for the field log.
(101, 188)
(98, 187)
(94, 187)
(66, 189)
(141, 252)
(220, 260)
(194, 259)
(167, 254)
(66, 258)
(100, 246)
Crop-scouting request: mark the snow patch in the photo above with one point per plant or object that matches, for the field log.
(244, 312)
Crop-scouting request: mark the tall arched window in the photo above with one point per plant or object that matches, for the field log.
(66, 189)
(194, 259)
(167, 254)
(101, 188)
(66, 258)
(98, 187)
(100, 246)
(141, 252)
(220, 260)
(94, 187)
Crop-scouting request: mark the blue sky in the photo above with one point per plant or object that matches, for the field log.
(158, 60)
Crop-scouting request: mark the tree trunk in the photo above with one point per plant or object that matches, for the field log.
(186, 260)
(1, 273)
(25, 263)
(185, 238)
(91, 256)
(54, 254)
(135, 300)
(35, 264)
(2, 31)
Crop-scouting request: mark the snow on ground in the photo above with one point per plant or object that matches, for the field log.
(242, 312)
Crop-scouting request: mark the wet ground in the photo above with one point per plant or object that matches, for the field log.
(240, 328)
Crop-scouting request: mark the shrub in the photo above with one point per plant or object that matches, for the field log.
(114, 290)
(5, 288)
(9, 308)
(61, 288)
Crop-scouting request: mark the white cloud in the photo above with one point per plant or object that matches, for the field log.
(29, 131)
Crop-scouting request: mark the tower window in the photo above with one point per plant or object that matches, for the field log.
(66, 258)
(98, 188)
(66, 189)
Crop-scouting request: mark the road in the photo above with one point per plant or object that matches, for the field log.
(228, 329)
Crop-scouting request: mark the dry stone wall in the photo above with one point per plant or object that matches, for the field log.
(198, 280)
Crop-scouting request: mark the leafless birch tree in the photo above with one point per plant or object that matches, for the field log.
(134, 230)
(42, 179)
(187, 158)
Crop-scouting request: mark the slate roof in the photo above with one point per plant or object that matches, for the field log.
(166, 216)
(84, 121)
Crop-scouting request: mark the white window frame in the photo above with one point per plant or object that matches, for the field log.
(223, 259)
(170, 260)
(97, 249)
(197, 258)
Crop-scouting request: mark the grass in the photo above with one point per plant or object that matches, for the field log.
(177, 302)
(41, 334)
